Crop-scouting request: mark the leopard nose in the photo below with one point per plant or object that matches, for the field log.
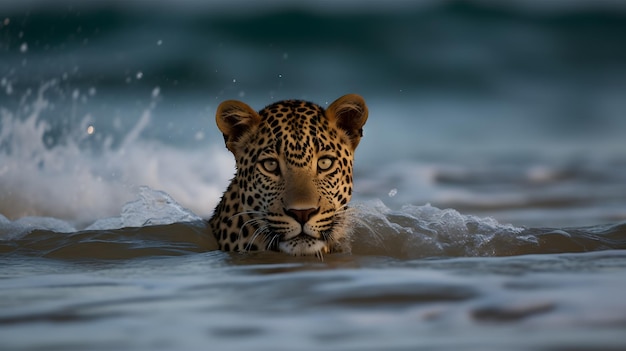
(302, 216)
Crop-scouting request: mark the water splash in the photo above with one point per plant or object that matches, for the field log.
(427, 231)
(155, 224)
(80, 176)
(152, 208)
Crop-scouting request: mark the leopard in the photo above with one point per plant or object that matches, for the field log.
(294, 176)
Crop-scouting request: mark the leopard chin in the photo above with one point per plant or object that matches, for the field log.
(304, 245)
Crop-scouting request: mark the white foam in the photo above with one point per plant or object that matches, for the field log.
(427, 231)
(153, 207)
(71, 182)
(10, 230)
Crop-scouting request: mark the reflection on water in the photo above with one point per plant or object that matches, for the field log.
(233, 301)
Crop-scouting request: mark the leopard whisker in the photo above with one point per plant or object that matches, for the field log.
(255, 235)
(273, 241)
(343, 210)
(253, 222)
(355, 221)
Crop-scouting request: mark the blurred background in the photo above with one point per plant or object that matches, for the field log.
(511, 109)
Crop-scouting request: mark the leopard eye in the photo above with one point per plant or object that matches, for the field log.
(324, 163)
(270, 165)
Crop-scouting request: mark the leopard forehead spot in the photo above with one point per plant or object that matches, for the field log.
(282, 198)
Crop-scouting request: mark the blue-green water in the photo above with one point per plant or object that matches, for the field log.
(490, 184)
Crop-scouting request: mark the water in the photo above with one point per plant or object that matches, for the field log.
(490, 186)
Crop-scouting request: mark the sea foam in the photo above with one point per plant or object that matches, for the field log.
(84, 174)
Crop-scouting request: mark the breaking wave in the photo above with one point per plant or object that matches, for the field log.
(155, 224)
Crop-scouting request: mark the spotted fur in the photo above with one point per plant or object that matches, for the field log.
(294, 175)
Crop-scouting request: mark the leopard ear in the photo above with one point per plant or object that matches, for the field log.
(235, 118)
(350, 114)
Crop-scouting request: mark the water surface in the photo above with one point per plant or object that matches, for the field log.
(490, 187)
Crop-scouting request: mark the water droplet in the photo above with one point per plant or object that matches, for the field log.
(75, 94)
(280, 76)
(156, 92)
(90, 130)
(24, 47)
(242, 94)
(234, 80)
(285, 56)
(393, 192)
(139, 75)
(6, 21)
(159, 42)
(92, 91)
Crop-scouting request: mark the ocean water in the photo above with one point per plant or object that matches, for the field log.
(490, 185)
